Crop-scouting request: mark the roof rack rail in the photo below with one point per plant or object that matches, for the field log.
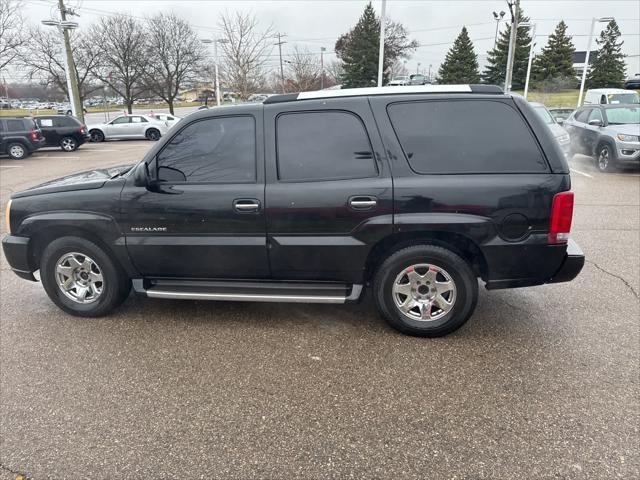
(360, 92)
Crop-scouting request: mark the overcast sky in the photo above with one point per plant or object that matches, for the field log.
(433, 23)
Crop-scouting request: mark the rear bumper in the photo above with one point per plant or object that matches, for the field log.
(571, 266)
(570, 260)
(16, 251)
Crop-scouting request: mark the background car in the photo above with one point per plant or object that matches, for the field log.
(129, 127)
(559, 133)
(19, 137)
(605, 96)
(561, 113)
(398, 81)
(165, 117)
(65, 109)
(62, 131)
(633, 82)
(611, 133)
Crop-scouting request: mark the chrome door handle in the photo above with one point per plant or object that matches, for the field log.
(246, 205)
(362, 203)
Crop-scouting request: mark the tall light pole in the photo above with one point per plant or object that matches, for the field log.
(322, 50)
(418, 68)
(381, 47)
(514, 9)
(497, 17)
(533, 37)
(586, 56)
(69, 66)
(208, 41)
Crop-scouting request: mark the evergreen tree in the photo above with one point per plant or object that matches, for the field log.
(358, 49)
(556, 59)
(497, 57)
(461, 63)
(608, 69)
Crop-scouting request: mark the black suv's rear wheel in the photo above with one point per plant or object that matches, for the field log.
(425, 291)
(17, 151)
(68, 144)
(81, 279)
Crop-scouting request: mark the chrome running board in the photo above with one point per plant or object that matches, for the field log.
(248, 291)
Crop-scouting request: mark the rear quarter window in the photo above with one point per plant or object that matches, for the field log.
(465, 136)
(15, 126)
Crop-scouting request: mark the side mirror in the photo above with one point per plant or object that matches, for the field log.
(559, 120)
(596, 122)
(141, 175)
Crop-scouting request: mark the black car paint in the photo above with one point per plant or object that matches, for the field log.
(307, 231)
(54, 134)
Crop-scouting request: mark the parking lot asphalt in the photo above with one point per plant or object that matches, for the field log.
(542, 382)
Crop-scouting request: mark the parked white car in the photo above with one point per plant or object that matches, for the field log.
(171, 120)
(606, 96)
(129, 127)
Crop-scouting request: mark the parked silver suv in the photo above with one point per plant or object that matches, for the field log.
(611, 133)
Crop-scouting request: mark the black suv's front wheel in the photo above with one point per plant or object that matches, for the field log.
(425, 290)
(81, 278)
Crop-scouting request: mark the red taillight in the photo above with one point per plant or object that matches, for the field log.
(34, 135)
(561, 216)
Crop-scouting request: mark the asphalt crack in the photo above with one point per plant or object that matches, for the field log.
(19, 475)
(615, 276)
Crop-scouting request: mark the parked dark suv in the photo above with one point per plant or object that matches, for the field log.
(411, 192)
(63, 131)
(19, 137)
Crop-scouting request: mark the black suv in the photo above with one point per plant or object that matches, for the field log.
(19, 137)
(63, 131)
(311, 197)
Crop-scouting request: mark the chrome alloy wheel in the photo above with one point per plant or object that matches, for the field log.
(16, 151)
(68, 144)
(603, 159)
(79, 278)
(424, 292)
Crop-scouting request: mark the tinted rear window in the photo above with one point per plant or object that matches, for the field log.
(16, 126)
(465, 136)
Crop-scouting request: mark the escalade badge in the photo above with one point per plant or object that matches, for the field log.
(148, 229)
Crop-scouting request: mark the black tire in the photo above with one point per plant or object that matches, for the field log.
(96, 135)
(68, 144)
(153, 134)
(17, 151)
(605, 158)
(464, 282)
(115, 286)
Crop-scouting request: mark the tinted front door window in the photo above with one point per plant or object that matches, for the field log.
(190, 224)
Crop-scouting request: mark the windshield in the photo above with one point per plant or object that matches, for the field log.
(544, 114)
(623, 115)
(631, 97)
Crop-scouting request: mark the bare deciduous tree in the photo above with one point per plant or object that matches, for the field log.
(174, 55)
(44, 59)
(11, 36)
(120, 42)
(303, 68)
(245, 51)
(334, 71)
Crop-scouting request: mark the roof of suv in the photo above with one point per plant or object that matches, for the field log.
(393, 90)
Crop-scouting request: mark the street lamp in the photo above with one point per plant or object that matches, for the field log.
(208, 41)
(497, 17)
(586, 57)
(72, 87)
(533, 38)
